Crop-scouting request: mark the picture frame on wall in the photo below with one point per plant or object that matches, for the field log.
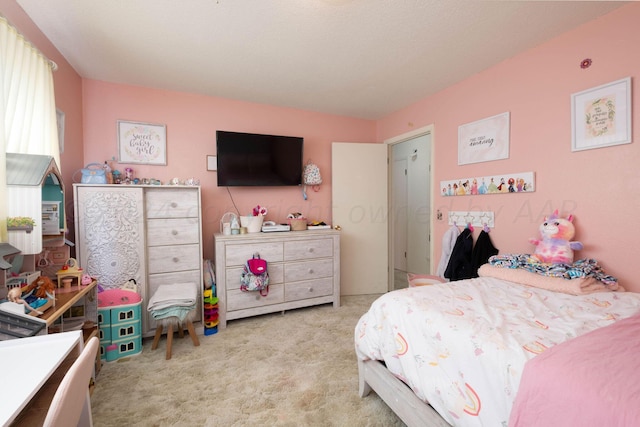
(601, 116)
(142, 143)
(484, 140)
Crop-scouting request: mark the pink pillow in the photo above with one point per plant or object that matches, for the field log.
(422, 279)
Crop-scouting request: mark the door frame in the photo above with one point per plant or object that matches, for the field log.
(425, 130)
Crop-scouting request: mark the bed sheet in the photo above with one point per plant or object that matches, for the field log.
(592, 380)
(462, 346)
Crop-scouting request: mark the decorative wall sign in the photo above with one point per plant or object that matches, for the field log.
(523, 182)
(484, 140)
(143, 143)
(601, 116)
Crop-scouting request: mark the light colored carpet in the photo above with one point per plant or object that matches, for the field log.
(293, 369)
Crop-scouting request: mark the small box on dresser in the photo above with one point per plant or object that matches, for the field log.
(303, 266)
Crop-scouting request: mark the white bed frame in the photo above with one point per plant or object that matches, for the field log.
(373, 375)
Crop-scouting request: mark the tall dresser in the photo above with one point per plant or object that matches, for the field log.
(303, 266)
(152, 234)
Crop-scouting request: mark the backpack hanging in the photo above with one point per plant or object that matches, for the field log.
(254, 276)
(311, 176)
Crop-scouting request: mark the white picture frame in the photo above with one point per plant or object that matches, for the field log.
(142, 143)
(484, 140)
(601, 116)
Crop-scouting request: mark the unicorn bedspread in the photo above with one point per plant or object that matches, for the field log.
(462, 346)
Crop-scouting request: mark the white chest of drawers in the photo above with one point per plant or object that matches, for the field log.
(148, 233)
(304, 270)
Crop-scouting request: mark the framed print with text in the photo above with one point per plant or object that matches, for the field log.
(484, 140)
(601, 116)
(142, 143)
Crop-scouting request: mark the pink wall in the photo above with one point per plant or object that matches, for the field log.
(192, 121)
(599, 186)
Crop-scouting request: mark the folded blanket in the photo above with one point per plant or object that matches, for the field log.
(180, 312)
(581, 268)
(577, 286)
(175, 295)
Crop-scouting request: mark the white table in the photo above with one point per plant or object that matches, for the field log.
(27, 363)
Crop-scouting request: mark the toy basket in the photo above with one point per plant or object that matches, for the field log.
(298, 224)
(253, 223)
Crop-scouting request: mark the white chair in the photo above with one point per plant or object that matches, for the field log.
(71, 405)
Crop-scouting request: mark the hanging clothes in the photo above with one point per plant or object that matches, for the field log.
(448, 242)
(482, 251)
(460, 266)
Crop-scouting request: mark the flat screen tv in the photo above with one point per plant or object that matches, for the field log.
(248, 159)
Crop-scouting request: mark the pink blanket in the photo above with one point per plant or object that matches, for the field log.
(591, 380)
(578, 286)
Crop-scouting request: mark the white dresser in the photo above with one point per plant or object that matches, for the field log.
(148, 233)
(304, 270)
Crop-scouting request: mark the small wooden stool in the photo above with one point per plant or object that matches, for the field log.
(171, 322)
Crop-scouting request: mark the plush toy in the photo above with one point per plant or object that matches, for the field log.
(555, 246)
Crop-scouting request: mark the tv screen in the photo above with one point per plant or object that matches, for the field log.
(247, 159)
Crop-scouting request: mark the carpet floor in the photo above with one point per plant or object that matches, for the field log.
(296, 368)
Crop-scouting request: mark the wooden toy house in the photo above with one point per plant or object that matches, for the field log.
(35, 190)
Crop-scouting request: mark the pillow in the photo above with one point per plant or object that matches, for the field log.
(422, 279)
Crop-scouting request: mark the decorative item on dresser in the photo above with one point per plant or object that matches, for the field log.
(151, 234)
(304, 270)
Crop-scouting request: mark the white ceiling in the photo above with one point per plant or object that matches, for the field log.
(358, 58)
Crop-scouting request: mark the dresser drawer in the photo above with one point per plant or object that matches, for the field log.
(178, 203)
(240, 253)
(309, 270)
(166, 259)
(174, 231)
(232, 276)
(309, 289)
(238, 300)
(306, 249)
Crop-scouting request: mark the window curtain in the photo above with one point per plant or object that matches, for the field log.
(27, 105)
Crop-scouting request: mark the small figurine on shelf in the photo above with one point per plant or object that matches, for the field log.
(128, 176)
(117, 176)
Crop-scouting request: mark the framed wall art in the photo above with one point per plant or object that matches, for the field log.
(484, 140)
(601, 116)
(521, 182)
(143, 143)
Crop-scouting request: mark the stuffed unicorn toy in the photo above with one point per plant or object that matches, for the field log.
(555, 246)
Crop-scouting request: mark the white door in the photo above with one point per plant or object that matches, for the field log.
(360, 208)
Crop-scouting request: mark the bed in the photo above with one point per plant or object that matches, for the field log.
(454, 353)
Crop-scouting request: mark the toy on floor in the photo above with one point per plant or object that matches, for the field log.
(555, 246)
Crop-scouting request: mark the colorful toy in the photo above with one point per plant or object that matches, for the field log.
(555, 246)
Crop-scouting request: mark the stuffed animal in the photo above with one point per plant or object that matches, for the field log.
(555, 246)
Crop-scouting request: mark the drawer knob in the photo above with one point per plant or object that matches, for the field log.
(174, 232)
(311, 271)
(176, 259)
(310, 289)
(310, 250)
(174, 205)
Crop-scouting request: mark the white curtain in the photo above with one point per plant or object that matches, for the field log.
(27, 105)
